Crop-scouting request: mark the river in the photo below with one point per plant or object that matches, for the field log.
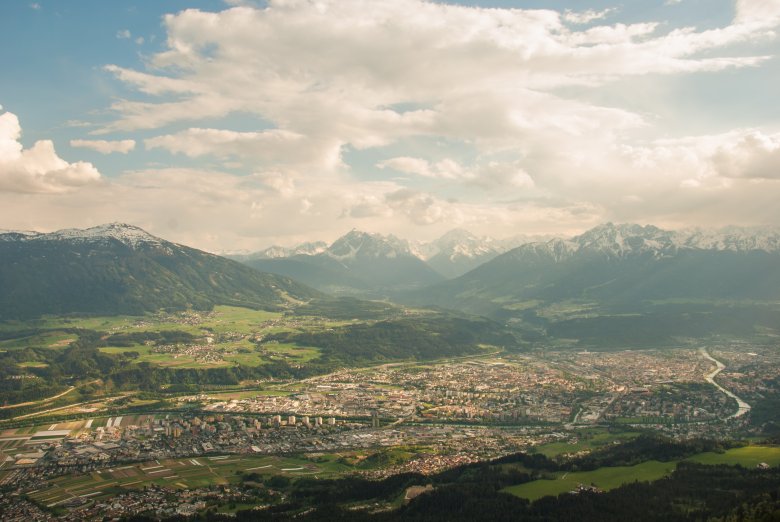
(710, 377)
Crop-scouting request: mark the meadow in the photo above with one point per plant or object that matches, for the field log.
(607, 478)
(238, 324)
(185, 473)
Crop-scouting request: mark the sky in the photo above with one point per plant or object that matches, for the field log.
(232, 125)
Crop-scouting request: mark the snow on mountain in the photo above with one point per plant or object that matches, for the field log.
(621, 240)
(276, 252)
(365, 245)
(128, 235)
(17, 235)
(459, 243)
(624, 239)
(735, 239)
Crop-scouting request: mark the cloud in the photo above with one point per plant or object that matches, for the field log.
(104, 146)
(489, 175)
(762, 13)
(488, 80)
(421, 208)
(37, 169)
(269, 62)
(279, 182)
(585, 17)
(36, 6)
(500, 120)
(125, 34)
(271, 147)
(710, 160)
(752, 155)
(444, 169)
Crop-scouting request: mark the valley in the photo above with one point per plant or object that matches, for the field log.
(376, 421)
(247, 388)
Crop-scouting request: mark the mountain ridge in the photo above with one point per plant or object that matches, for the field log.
(118, 268)
(617, 270)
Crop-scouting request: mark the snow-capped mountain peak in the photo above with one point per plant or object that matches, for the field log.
(624, 239)
(363, 244)
(732, 238)
(311, 248)
(128, 235)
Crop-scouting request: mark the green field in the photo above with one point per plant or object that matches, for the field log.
(180, 473)
(588, 439)
(224, 320)
(749, 456)
(50, 339)
(607, 478)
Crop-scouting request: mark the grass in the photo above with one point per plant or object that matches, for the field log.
(293, 351)
(607, 478)
(142, 349)
(223, 320)
(236, 319)
(236, 395)
(748, 456)
(181, 473)
(589, 439)
(32, 364)
(50, 339)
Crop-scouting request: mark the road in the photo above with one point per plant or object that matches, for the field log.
(710, 377)
(41, 401)
(52, 410)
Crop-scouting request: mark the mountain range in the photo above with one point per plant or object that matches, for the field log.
(642, 278)
(121, 269)
(636, 280)
(374, 265)
(628, 263)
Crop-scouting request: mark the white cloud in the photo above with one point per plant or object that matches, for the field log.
(481, 78)
(125, 34)
(510, 93)
(37, 169)
(585, 17)
(421, 208)
(764, 13)
(444, 169)
(711, 160)
(753, 155)
(278, 181)
(105, 146)
(489, 175)
(268, 62)
(273, 147)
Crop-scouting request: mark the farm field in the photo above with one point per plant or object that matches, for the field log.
(179, 473)
(237, 324)
(588, 439)
(749, 456)
(607, 478)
